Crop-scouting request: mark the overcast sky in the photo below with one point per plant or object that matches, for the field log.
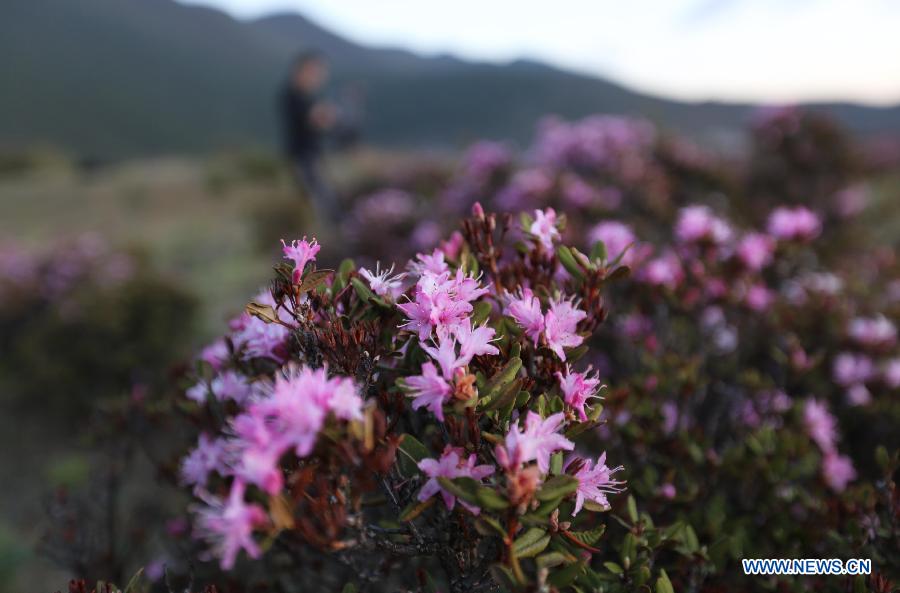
(761, 50)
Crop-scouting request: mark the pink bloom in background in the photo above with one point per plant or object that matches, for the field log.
(755, 251)
(837, 471)
(794, 224)
(228, 525)
(537, 442)
(595, 482)
(668, 491)
(858, 395)
(669, 412)
(851, 369)
(230, 385)
(525, 308)
(576, 192)
(209, 455)
(617, 237)
(873, 331)
(852, 200)
(560, 327)
(758, 297)
(699, 223)
(300, 252)
(891, 373)
(544, 228)
(215, 354)
(820, 425)
(664, 270)
(450, 465)
(382, 283)
(429, 390)
(578, 388)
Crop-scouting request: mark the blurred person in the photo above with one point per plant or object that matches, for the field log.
(306, 120)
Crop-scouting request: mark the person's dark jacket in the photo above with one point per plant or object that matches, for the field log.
(301, 137)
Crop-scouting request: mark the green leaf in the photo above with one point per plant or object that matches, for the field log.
(349, 588)
(415, 508)
(411, 453)
(565, 577)
(614, 568)
(567, 259)
(590, 537)
(598, 251)
(485, 523)
(531, 543)
(481, 312)
(133, 582)
(663, 584)
(632, 509)
(363, 291)
(557, 486)
(488, 498)
(500, 379)
(463, 488)
(551, 559)
(507, 394)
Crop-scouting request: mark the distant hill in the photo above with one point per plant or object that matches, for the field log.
(113, 78)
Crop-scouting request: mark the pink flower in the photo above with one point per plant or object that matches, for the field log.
(820, 425)
(577, 389)
(525, 309)
(258, 338)
(475, 341)
(215, 354)
(668, 491)
(873, 331)
(560, 327)
(838, 471)
(382, 283)
(441, 303)
(300, 252)
(858, 395)
(794, 224)
(544, 228)
(850, 369)
(228, 525)
(595, 482)
(758, 297)
(664, 270)
(450, 465)
(755, 251)
(537, 442)
(617, 238)
(431, 264)
(891, 373)
(230, 385)
(429, 390)
(698, 223)
(208, 456)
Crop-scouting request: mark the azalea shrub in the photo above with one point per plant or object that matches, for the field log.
(652, 363)
(80, 321)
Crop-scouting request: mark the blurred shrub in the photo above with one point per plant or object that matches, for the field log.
(81, 322)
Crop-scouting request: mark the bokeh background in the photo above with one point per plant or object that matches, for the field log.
(143, 191)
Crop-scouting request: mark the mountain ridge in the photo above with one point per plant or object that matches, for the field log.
(119, 78)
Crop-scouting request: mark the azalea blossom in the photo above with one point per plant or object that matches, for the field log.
(873, 331)
(699, 223)
(300, 252)
(838, 471)
(536, 442)
(618, 238)
(208, 456)
(794, 224)
(228, 525)
(595, 482)
(525, 308)
(852, 369)
(560, 327)
(544, 228)
(382, 283)
(451, 465)
(820, 425)
(755, 251)
(429, 390)
(577, 389)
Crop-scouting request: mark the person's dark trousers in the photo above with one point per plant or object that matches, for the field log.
(307, 169)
